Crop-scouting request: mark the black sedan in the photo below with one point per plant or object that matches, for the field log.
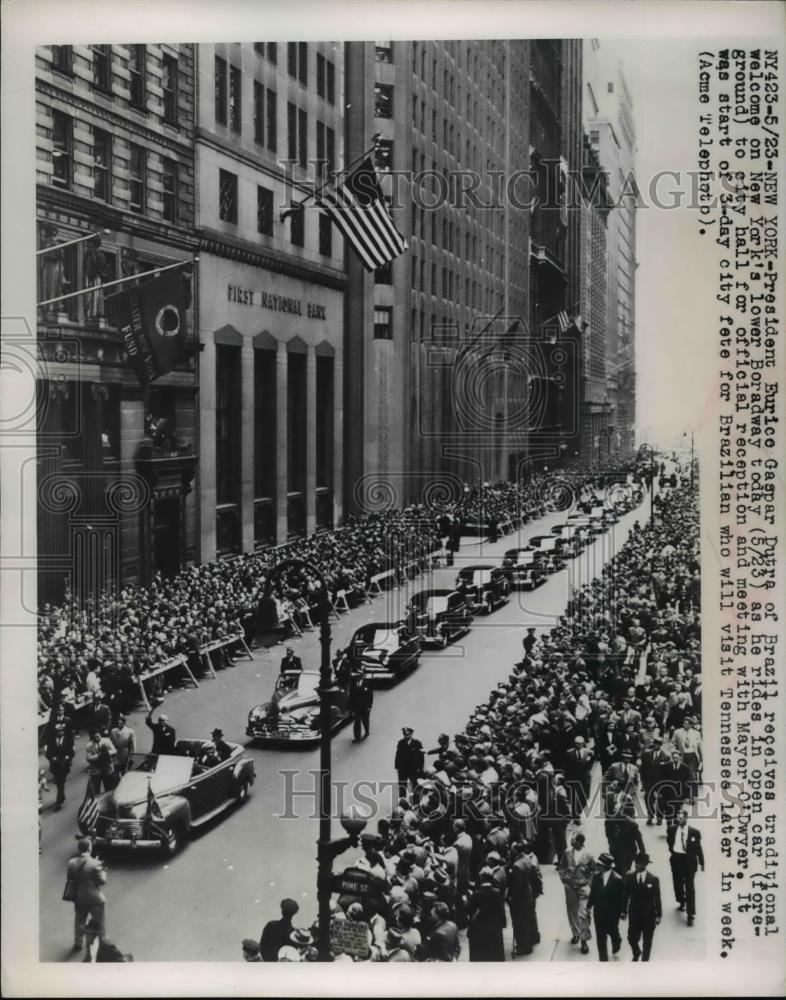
(162, 797)
(550, 548)
(291, 717)
(438, 616)
(524, 568)
(486, 587)
(385, 650)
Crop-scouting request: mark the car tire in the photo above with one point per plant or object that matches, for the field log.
(173, 842)
(242, 792)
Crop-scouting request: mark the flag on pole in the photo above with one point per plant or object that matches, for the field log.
(152, 317)
(87, 817)
(564, 321)
(154, 818)
(357, 206)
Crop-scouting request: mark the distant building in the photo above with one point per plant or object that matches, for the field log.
(114, 156)
(271, 306)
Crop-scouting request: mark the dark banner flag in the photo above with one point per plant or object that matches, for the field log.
(152, 318)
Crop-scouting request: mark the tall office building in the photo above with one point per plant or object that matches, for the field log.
(114, 157)
(452, 121)
(271, 304)
(609, 122)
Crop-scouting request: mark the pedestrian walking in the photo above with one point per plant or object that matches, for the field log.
(607, 902)
(85, 881)
(625, 840)
(409, 760)
(60, 754)
(578, 775)
(576, 869)
(361, 700)
(686, 857)
(653, 760)
(673, 788)
(643, 907)
(123, 739)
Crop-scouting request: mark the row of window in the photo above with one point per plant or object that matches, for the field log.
(229, 211)
(103, 162)
(450, 287)
(63, 62)
(487, 81)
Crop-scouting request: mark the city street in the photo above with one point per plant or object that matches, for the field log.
(228, 880)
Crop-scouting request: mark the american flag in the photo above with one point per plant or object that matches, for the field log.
(564, 321)
(154, 818)
(87, 817)
(357, 206)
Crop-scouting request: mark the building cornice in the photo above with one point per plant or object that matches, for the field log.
(120, 120)
(243, 252)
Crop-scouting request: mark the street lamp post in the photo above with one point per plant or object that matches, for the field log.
(327, 848)
(643, 449)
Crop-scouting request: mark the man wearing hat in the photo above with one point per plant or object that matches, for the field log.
(409, 760)
(276, 933)
(686, 855)
(60, 754)
(578, 772)
(361, 700)
(250, 950)
(653, 760)
(224, 750)
(606, 902)
(643, 907)
(524, 887)
(623, 771)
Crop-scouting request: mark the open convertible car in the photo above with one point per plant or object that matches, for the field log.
(386, 650)
(162, 797)
(292, 714)
(486, 587)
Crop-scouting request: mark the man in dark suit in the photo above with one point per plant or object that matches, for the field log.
(607, 902)
(409, 760)
(60, 754)
(290, 663)
(643, 907)
(578, 773)
(686, 856)
(673, 787)
(653, 761)
(163, 733)
(361, 698)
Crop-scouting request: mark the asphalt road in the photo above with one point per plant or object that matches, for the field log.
(228, 880)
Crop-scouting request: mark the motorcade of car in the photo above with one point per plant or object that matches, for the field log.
(573, 537)
(486, 587)
(161, 798)
(524, 568)
(291, 717)
(439, 616)
(385, 650)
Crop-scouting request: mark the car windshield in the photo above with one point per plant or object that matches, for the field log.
(307, 683)
(436, 605)
(164, 771)
(384, 637)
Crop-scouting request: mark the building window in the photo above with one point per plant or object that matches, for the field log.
(228, 423)
(102, 67)
(383, 52)
(169, 86)
(259, 113)
(321, 75)
(291, 131)
(272, 53)
(227, 196)
(331, 150)
(63, 58)
(325, 236)
(331, 82)
(383, 101)
(234, 99)
(221, 91)
(610, 88)
(383, 323)
(384, 275)
(272, 135)
(137, 169)
(62, 151)
(297, 135)
(292, 59)
(383, 155)
(302, 70)
(297, 227)
(102, 165)
(136, 69)
(264, 211)
(171, 193)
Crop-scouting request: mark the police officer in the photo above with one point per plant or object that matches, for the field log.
(361, 698)
(409, 760)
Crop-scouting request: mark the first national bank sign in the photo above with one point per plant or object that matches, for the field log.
(275, 303)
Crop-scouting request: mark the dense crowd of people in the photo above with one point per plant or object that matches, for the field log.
(615, 683)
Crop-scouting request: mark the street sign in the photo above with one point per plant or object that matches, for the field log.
(354, 882)
(349, 937)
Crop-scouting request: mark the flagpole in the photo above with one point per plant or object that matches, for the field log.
(119, 281)
(469, 347)
(70, 243)
(331, 180)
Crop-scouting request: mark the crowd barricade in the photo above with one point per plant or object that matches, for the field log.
(163, 668)
(378, 579)
(222, 643)
(340, 603)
